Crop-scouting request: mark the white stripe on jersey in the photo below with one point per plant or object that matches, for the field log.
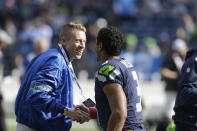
(113, 74)
(100, 77)
(126, 63)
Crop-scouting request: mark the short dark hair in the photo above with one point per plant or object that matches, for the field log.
(111, 39)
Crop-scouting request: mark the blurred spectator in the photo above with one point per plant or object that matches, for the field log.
(149, 7)
(5, 40)
(25, 44)
(18, 69)
(131, 46)
(33, 31)
(11, 29)
(26, 9)
(125, 8)
(164, 43)
(170, 72)
(180, 33)
(21, 62)
(147, 59)
(189, 24)
(41, 29)
(41, 45)
(155, 54)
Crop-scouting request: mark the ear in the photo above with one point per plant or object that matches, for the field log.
(62, 39)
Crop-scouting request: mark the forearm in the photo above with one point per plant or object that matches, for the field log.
(43, 102)
(169, 74)
(47, 105)
(118, 106)
(116, 122)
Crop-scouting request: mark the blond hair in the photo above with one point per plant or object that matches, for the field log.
(67, 28)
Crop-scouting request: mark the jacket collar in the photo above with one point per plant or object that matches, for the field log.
(65, 53)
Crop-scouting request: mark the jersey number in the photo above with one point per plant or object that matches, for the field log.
(138, 105)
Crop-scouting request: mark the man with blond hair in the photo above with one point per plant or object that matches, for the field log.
(46, 92)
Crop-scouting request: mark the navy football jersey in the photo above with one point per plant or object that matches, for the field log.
(121, 72)
(186, 101)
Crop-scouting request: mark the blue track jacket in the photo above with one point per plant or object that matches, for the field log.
(44, 93)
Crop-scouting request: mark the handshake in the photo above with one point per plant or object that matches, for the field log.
(79, 113)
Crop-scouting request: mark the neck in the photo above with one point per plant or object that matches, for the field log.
(105, 58)
(67, 54)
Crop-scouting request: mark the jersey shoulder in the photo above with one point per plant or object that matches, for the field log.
(107, 68)
(113, 68)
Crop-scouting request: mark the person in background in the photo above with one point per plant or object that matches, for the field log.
(40, 45)
(5, 40)
(45, 96)
(185, 107)
(170, 71)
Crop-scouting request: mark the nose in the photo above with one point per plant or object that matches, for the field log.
(82, 44)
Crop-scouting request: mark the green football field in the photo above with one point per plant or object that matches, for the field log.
(88, 126)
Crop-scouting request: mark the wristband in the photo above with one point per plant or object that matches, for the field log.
(93, 112)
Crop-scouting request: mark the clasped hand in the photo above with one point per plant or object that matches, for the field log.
(79, 114)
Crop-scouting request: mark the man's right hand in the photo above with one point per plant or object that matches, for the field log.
(78, 115)
(90, 110)
(83, 108)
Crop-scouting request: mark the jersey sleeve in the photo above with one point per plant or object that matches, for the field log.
(109, 73)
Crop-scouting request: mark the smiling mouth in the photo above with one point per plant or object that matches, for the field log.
(79, 52)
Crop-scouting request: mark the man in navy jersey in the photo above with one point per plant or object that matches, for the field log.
(117, 92)
(185, 108)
